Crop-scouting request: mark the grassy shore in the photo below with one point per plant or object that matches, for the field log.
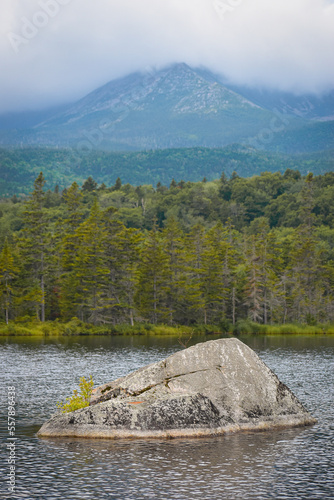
(76, 327)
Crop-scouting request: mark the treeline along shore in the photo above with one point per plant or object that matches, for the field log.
(233, 255)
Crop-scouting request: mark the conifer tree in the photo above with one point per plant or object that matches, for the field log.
(90, 270)
(306, 274)
(118, 184)
(89, 185)
(153, 277)
(68, 247)
(305, 268)
(34, 248)
(254, 287)
(231, 274)
(74, 259)
(262, 266)
(130, 241)
(195, 243)
(8, 272)
(121, 248)
(173, 245)
(214, 284)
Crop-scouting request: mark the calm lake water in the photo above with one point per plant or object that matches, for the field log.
(296, 463)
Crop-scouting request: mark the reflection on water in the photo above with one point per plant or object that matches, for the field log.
(283, 464)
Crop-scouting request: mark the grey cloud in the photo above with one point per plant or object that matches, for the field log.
(54, 51)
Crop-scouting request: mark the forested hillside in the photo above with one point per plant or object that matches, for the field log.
(20, 167)
(190, 253)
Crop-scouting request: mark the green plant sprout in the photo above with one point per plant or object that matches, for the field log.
(80, 399)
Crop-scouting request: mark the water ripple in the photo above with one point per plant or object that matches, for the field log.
(287, 464)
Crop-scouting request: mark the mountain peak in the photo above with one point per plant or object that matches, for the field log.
(177, 87)
(176, 106)
(179, 67)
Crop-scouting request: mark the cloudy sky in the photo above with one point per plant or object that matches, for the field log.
(56, 51)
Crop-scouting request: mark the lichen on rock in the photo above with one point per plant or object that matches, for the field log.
(208, 389)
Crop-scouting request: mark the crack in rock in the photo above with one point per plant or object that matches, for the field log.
(208, 389)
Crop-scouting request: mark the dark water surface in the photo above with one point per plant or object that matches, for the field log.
(295, 464)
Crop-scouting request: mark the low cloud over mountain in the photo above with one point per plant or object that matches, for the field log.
(56, 51)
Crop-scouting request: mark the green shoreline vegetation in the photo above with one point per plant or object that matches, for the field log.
(232, 256)
(75, 327)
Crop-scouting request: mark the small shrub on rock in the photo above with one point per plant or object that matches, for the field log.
(80, 399)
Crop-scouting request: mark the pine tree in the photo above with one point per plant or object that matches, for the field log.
(35, 247)
(305, 268)
(254, 287)
(89, 185)
(153, 277)
(68, 248)
(305, 274)
(8, 272)
(262, 286)
(173, 245)
(118, 184)
(232, 262)
(121, 252)
(195, 243)
(214, 281)
(129, 241)
(90, 270)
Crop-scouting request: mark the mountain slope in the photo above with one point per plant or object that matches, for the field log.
(174, 107)
(311, 107)
(181, 107)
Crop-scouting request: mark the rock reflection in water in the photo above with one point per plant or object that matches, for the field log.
(291, 464)
(226, 467)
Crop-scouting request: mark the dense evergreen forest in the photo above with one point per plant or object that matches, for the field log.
(214, 252)
(19, 167)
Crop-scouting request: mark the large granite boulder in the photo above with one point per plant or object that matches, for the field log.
(208, 389)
